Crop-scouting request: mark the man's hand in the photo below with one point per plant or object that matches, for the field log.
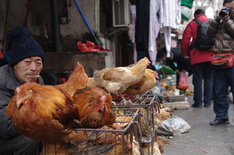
(178, 71)
(221, 18)
(217, 14)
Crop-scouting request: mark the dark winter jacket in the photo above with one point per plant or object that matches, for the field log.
(224, 35)
(195, 55)
(8, 84)
(179, 59)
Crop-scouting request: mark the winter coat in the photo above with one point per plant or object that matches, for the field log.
(195, 55)
(224, 35)
(8, 84)
(176, 56)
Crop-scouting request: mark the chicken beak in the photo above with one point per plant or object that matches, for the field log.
(18, 104)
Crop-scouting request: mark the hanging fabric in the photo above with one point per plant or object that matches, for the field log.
(142, 28)
(132, 28)
(185, 13)
(187, 3)
(170, 17)
(154, 28)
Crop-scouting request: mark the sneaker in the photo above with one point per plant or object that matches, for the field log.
(219, 122)
(196, 106)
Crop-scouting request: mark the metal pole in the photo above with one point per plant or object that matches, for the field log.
(86, 22)
(6, 25)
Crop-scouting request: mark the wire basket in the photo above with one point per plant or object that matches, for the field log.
(104, 141)
(149, 105)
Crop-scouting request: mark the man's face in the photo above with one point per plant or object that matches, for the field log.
(230, 5)
(28, 69)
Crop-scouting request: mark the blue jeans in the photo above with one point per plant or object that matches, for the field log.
(202, 71)
(223, 78)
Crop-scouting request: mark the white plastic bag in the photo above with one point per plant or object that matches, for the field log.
(173, 126)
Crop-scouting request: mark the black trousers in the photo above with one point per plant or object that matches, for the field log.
(203, 83)
(19, 145)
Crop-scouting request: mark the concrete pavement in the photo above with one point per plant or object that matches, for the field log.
(202, 139)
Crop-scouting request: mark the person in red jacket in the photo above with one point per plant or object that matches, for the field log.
(200, 61)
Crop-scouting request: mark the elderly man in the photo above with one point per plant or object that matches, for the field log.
(24, 66)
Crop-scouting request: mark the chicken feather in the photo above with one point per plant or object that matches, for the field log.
(44, 113)
(116, 80)
(147, 82)
(77, 80)
(94, 106)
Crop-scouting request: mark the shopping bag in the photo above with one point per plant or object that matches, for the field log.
(183, 81)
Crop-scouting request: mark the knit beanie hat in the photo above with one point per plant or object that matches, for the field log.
(23, 46)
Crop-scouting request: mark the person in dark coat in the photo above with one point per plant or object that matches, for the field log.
(176, 61)
(200, 61)
(24, 66)
(222, 28)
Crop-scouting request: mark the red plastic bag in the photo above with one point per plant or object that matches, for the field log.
(86, 47)
(89, 47)
(183, 81)
(1, 54)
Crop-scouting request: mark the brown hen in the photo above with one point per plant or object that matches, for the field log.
(94, 106)
(116, 80)
(91, 82)
(77, 80)
(147, 82)
(44, 113)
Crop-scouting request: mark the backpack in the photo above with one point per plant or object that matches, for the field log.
(203, 42)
